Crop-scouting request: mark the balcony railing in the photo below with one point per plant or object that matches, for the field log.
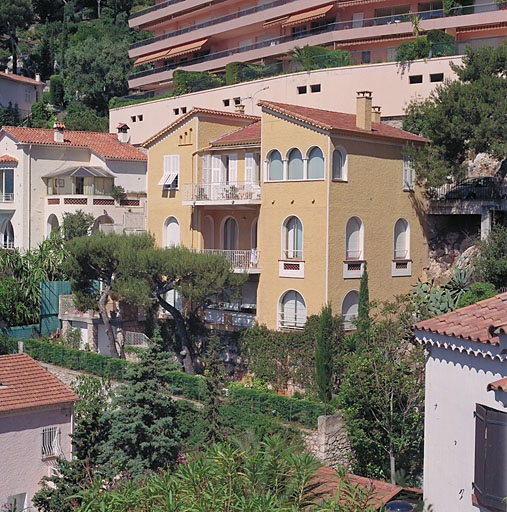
(6, 198)
(400, 254)
(216, 192)
(292, 321)
(472, 189)
(349, 322)
(7, 245)
(241, 260)
(340, 25)
(155, 7)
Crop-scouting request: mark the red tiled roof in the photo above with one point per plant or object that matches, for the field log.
(478, 322)
(198, 110)
(248, 135)
(19, 78)
(7, 159)
(27, 384)
(106, 145)
(328, 482)
(338, 121)
(498, 385)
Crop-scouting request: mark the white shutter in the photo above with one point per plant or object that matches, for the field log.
(216, 169)
(249, 168)
(233, 169)
(206, 169)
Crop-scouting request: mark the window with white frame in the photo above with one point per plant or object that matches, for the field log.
(315, 164)
(171, 235)
(6, 185)
(292, 311)
(295, 165)
(339, 164)
(50, 442)
(230, 234)
(350, 308)
(401, 240)
(354, 239)
(408, 173)
(275, 166)
(16, 502)
(292, 241)
(170, 176)
(7, 235)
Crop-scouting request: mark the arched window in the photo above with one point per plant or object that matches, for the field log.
(350, 306)
(292, 310)
(292, 242)
(7, 235)
(354, 239)
(339, 164)
(230, 234)
(401, 240)
(171, 234)
(52, 224)
(275, 166)
(295, 165)
(315, 164)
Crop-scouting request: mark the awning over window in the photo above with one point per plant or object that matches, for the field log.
(168, 178)
(96, 172)
(170, 53)
(276, 21)
(304, 17)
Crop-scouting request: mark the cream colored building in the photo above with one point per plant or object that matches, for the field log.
(301, 200)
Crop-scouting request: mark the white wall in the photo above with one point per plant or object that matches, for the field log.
(455, 383)
(20, 93)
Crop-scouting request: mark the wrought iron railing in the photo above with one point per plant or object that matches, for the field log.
(245, 259)
(136, 339)
(291, 321)
(473, 189)
(51, 442)
(6, 198)
(400, 254)
(349, 322)
(222, 191)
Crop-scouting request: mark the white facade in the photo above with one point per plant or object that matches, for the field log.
(458, 372)
(20, 91)
(34, 209)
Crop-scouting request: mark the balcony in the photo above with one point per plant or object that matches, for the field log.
(227, 319)
(353, 266)
(245, 260)
(205, 194)
(6, 198)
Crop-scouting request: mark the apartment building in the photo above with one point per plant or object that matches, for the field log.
(301, 199)
(203, 36)
(45, 173)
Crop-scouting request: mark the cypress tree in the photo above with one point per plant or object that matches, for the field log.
(363, 309)
(214, 374)
(324, 354)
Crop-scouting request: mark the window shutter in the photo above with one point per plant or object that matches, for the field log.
(206, 169)
(167, 164)
(480, 452)
(216, 169)
(233, 169)
(249, 168)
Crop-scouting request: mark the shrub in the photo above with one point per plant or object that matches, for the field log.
(478, 291)
(56, 90)
(192, 81)
(232, 72)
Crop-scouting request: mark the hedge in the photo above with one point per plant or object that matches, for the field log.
(183, 384)
(185, 82)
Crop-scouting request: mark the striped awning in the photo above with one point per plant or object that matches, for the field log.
(276, 21)
(170, 53)
(304, 17)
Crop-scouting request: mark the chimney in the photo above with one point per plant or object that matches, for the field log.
(37, 77)
(375, 114)
(123, 133)
(363, 110)
(58, 132)
(239, 109)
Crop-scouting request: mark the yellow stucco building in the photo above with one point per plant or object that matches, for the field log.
(300, 199)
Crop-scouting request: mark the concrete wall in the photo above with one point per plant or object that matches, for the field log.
(455, 382)
(389, 83)
(21, 466)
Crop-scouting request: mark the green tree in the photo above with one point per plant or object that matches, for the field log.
(56, 90)
(363, 308)
(462, 117)
(143, 434)
(80, 117)
(14, 15)
(10, 116)
(40, 116)
(76, 224)
(13, 310)
(491, 263)
(107, 259)
(215, 380)
(478, 291)
(324, 354)
(382, 396)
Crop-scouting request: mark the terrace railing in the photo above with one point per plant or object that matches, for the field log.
(217, 192)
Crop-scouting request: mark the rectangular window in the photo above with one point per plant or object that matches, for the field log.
(226, 102)
(315, 88)
(490, 478)
(50, 442)
(299, 31)
(415, 79)
(436, 77)
(408, 174)
(176, 111)
(6, 184)
(17, 502)
(302, 89)
(366, 57)
(133, 119)
(170, 177)
(140, 117)
(237, 101)
(103, 186)
(183, 110)
(28, 95)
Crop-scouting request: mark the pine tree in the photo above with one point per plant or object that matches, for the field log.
(324, 352)
(363, 312)
(144, 435)
(214, 374)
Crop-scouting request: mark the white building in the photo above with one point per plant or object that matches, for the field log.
(465, 446)
(21, 91)
(45, 173)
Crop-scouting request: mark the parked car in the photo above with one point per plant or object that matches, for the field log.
(484, 188)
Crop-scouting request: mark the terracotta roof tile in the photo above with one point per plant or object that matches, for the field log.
(7, 159)
(338, 121)
(191, 113)
(25, 383)
(250, 134)
(106, 145)
(480, 322)
(19, 78)
(498, 385)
